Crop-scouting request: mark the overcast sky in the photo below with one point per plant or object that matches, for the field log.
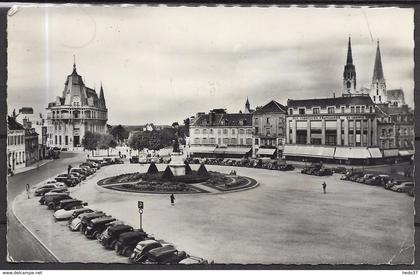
(163, 64)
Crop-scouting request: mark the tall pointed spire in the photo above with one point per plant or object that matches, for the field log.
(349, 54)
(378, 73)
(349, 74)
(247, 109)
(102, 97)
(74, 64)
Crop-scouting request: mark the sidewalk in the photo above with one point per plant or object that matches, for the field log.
(32, 166)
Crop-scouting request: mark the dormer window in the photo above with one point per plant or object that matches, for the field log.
(331, 110)
(290, 111)
(301, 111)
(315, 111)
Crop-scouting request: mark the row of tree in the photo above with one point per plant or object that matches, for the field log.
(153, 140)
(93, 141)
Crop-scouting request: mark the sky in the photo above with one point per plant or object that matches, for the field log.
(163, 64)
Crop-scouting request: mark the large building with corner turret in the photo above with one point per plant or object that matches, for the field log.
(79, 109)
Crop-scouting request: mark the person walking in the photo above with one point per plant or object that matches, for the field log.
(324, 187)
(172, 197)
(68, 169)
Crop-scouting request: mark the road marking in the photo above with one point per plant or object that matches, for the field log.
(42, 244)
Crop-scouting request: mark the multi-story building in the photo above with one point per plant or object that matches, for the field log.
(341, 128)
(219, 134)
(77, 111)
(36, 121)
(269, 125)
(31, 146)
(16, 157)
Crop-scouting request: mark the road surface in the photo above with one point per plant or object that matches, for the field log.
(21, 245)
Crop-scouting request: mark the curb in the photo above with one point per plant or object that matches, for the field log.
(32, 167)
(12, 210)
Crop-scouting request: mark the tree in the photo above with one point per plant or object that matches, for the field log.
(139, 140)
(168, 173)
(119, 132)
(107, 141)
(90, 141)
(186, 128)
(202, 171)
(155, 141)
(152, 169)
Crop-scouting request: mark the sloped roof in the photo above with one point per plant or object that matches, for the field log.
(330, 101)
(228, 120)
(13, 124)
(271, 107)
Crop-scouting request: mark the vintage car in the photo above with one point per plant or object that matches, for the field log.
(97, 226)
(80, 171)
(340, 170)
(350, 174)
(323, 172)
(63, 214)
(109, 237)
(139, 253)
(46, 188)
(165, 255)
(364, 178)
(84, 221)
(286, 167)
(76, 223)
(193, 260)
(403, 187)
(53, 199)
(391, 183)
(78, 212)
(68, 181)
(128, 241)
(70, 204)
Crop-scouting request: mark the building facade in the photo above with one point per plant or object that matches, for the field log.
(16, 156)
(219, 134)
(31, 146)
(269, 130)
(77, 111)
(343, 128)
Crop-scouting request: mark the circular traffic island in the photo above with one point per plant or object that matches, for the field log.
(164, 182)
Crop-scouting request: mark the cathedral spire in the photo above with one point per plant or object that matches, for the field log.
(349, 55)
(102, 97)
(74, 64)
(378, 73)
(247, 106)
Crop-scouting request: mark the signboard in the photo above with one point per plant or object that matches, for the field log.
(140, 205)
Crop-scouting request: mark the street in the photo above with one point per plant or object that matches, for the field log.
(21, 245)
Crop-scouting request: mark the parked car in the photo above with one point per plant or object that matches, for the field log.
(193, 260)
(364, 178)
(62, 190)
(87, 218)
(350, 174)
(70, 182)
(109, 237)
(46, 188)
(81, 171)
(356, 175)
(79, 211)
(323, 172)
(340, 170)
(63, 214)
(53, 199)
(165, 255)
(89, 170)
(286, 167)
(75, 224)
(403, 187)
(97, 226)
(128, 241)
(134, 159)
(139, 253)
(70, 204)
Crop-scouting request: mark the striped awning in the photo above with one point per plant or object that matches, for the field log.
(404, 153)
(391, 153)
(266, 151)
(309, 151)
(202, 149)
(352, 153)
(375, 153)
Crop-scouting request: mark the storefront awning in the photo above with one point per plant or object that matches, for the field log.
(266, 151)
(309, 151)
(391, 153)
(352, 153)
(237, 150)
(202, 149)
(404, 153)
(375, 153)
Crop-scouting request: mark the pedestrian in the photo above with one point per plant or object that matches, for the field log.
(172, 197)
(68, 169)
(324, 187)
(119, 153)
(28, 188)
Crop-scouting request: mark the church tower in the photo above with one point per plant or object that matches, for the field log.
(349, 74)
(378, 89)
(247, 109)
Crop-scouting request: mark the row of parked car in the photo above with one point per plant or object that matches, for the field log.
(127, 241)
(385, 181)
(317, 169)
(263, 163)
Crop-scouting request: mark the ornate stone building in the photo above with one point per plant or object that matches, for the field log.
(76, 111)
(16, 156)
(269, 130)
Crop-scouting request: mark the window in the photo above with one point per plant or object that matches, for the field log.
(370, 109)
(248, 141)
(383, 132)
(268, 131)
(357, 109)
(343, 109)
(301, 111)
(196, 141)
(268, 120)
(55, 139)
(219, 140)
(352, 109)
(233, 131)
(66, 140)
(211, 131)
(331, 110)
(379, 98)
(59, 139)
(233, 141)
(225, 131)
(241, 141)
(219, 131)
(256, 120)
(374, 98)
(204, 140)
(315, 111)
(241, 131)
(290, 111)
(249, 131)
(225, 141)
(363, 109)
(256, 130)
(204, 131)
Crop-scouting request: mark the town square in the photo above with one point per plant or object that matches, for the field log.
(160, 151)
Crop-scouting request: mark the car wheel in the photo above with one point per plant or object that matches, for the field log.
(113, 243)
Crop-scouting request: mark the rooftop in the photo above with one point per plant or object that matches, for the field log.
(330, 101)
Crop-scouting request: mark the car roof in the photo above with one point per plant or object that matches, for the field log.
(132, 234)
(83, 209)
(157, 252)
(118, 227)
(103, 219)
(147, 242)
